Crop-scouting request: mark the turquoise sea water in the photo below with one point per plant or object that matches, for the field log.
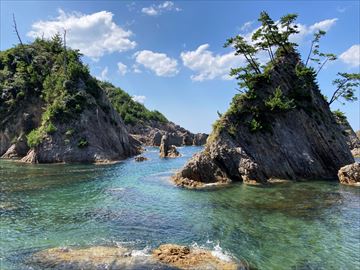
(291, 226)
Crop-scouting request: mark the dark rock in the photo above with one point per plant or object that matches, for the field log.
(293, 144)
(140, 158)
(167, 150)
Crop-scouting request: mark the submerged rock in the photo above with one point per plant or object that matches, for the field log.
(184, 257)
(350, 174)
(99, 257)
(255, 140)
(167, 256)
(140, 158)
(166, 149)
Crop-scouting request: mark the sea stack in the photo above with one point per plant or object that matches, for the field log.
(282, 128)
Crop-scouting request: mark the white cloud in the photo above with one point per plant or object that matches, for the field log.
(140, 99)
(304, 30)
(159, 63)
(155, 10)
(209, 66)
(94, 34)
(103, 75)
(246, 26)
(351, 56)
(122, 68)
(136, 68)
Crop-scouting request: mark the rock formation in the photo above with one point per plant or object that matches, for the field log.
(48, 116)
(352, 139)
(184, 257)
(281, 128)
(102, 257)
(350, 174)
(140, 158)
(166, 149)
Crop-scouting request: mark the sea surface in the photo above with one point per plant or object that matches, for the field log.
(307, 225)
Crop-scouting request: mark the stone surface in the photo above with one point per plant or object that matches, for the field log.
(140, 158)
(296, 146)
(167, 256)
(350, 174)
(184, 257)
(167, 150)
(352, 138)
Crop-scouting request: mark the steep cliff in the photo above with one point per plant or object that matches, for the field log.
(351, 137)
(52, 110)
(281, 128)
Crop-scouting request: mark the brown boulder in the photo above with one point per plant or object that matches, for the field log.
(350, 174)
(167, 150)
(190, 258)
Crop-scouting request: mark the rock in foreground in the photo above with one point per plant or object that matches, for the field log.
(184, 257)
(101, 257)
(350, 174)
(282, 128)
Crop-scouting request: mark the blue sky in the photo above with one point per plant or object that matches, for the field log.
(170, 55)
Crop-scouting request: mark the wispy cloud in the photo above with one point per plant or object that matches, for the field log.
(155, 10)
(122, 68)
(103, 75)
(140, 99)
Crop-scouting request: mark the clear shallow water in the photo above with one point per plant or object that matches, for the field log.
(291, 226)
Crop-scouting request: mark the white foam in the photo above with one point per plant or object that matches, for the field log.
(141, 253)
(221, 254)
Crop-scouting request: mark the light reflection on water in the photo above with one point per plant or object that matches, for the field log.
(291, 226)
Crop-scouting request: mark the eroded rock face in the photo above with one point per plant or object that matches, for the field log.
(352, 138)
(350, 174)
(167, 150)
(184, 257)
(301, 143)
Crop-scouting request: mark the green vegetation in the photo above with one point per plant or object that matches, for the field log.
(278, 102)
(340, 116)
(260, 101)
(131, 111)
(48, 71)
(82, 143)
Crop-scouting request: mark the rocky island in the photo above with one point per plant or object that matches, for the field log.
(53, 110)
(281, 127)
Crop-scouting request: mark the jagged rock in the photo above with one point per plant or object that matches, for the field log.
(303, 142)
(352, 138)
(355, 152)
(350, 174)
(167, 150)
(140, 158)
(17, 149)
(31, 157)
(200, 139)
(184, 257)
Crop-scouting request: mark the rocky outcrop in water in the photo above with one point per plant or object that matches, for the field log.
(140, 158)
(350, 174)
(103, 257)
(184, 257)
(167, 150)
(281, 128)
(52, 114)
